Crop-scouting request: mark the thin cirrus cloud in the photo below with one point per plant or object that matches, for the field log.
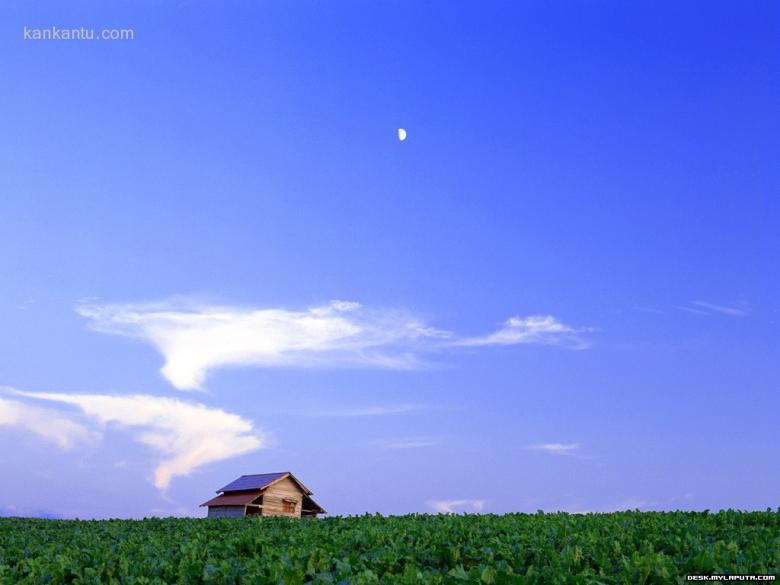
(457, 506)
(556, 448)
(364, 411)
(195, 338)
(739, 309)
(538, 329)
(184, 435)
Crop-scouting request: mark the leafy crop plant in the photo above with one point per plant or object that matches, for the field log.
(617, 548)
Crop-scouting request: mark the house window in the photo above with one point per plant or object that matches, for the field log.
(288, 506)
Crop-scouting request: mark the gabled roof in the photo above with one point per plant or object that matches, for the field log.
(260, 482)
(252, 482)
(241, 499)
(310, 505)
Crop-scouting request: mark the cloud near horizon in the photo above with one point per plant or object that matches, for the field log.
(457, 506)
(195, 338)
(556, 448)
(625, 505)
(184, 435)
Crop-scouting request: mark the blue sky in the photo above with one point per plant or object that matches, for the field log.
(560, 292)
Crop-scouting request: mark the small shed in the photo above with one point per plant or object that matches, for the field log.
(264, 494)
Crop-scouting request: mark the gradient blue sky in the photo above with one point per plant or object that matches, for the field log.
(610, 165)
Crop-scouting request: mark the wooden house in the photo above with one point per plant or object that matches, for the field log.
(265, 494)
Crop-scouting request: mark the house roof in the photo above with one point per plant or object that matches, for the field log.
(232, 499)
(252, 482)
(260, 481)
(312, 506)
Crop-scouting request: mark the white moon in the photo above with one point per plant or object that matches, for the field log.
(401, 134)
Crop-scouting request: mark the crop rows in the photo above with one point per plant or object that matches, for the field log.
(624, 547)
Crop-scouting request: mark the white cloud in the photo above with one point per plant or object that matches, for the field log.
(457, 506)
(732, 309)
(194, 338)
(556, 448)
(45, 423)
(184, 435)
(537, 329)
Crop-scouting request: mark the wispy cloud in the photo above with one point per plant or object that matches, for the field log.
(738, 309)
(627, 504)
(184, 435)
(409, 443)
(457, 506)
(26, 303)
(46, 423)
(374, 410)
(537, 329)
(195, 338)
(693, 310)
(556, 448)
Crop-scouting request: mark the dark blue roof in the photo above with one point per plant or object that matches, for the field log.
(252, 482)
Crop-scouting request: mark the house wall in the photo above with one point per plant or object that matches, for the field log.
(226, 512)
(275, 495)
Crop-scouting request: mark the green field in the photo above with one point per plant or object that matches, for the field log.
(624, 547)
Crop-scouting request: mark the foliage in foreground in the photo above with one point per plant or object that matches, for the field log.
(625, 547)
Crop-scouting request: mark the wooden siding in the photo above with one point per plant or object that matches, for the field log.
(274, 497)
(226, 512)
